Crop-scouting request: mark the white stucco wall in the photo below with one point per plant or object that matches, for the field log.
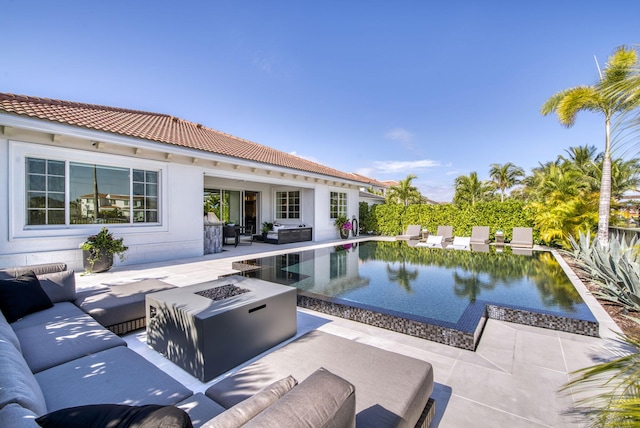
(175, 236)
(184, 173)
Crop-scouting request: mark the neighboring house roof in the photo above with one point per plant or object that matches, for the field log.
(162, 128)
(372, 196)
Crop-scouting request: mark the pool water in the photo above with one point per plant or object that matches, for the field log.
(447, 288)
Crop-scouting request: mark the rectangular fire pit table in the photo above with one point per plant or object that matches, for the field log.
(209, 328)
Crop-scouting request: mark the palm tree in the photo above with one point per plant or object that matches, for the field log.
(598, 98)
(505, 176)
(469, 189)
(404, 193)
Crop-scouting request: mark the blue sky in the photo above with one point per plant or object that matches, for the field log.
(382, 88)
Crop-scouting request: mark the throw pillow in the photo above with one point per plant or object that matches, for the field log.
(117, 416)
(22, 296)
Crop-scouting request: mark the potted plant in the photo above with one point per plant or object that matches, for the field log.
(344, 226)
(98, 251)
(266, 228)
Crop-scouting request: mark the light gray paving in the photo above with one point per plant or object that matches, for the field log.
(513, 378)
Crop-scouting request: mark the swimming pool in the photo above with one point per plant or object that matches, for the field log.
(438, 294)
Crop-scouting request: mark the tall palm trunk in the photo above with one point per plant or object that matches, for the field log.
(605, 190)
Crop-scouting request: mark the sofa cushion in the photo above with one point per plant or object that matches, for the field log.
(7, 333)
(17, 383)
(321, 400)
(246, 410)
(22, 296)
(117, 375)
(64, 338)
(15, 416)
(58, 312)
(391, 387)
(116, 416)
(40, 269)
(59, 286)
(200, 409)
(119, 303)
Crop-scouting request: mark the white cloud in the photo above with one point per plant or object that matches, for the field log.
(367, 172)
(264, 62)
(399, 134)
(386, 167)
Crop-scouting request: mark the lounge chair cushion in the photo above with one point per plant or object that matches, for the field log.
(446, 232)
(22, 296)
(480, 234)
(413, 232)
(460, 243)
(391, 387)
(432, 241)
(116, 416)
(321, 400)
(246, 410)
(522, 237)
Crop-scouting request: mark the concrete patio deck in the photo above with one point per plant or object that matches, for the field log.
(511, 380)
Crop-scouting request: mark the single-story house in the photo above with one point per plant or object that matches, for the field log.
(70, 168)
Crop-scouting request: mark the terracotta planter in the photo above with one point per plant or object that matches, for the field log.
(103, 264)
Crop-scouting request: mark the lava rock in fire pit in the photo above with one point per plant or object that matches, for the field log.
(222, 292)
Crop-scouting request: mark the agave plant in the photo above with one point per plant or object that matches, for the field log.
(614, 268)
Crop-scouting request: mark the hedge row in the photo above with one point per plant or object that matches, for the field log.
(391, 220)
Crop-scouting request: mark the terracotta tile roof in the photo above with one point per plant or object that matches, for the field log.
(370, 181)
(158, 127)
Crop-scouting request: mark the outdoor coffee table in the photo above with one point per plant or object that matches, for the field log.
(209, 328)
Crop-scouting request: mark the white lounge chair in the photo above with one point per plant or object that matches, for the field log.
(460, 243)
(432, 242)
(413, 232)
(522, 237)
(480, 235)
(446, 232)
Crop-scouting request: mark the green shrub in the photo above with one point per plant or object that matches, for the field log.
(391, 220)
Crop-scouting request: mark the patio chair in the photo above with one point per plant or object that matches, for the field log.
(522, 237)
(480, 248)
(480, 235)
(432, 241)
(446, 232)
(245, 235)
(413, 232)
(460, 243)
(229, 233)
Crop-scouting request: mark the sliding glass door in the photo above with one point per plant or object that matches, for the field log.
(235, 206)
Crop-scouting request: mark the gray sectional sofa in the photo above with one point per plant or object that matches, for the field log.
(58, 358)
